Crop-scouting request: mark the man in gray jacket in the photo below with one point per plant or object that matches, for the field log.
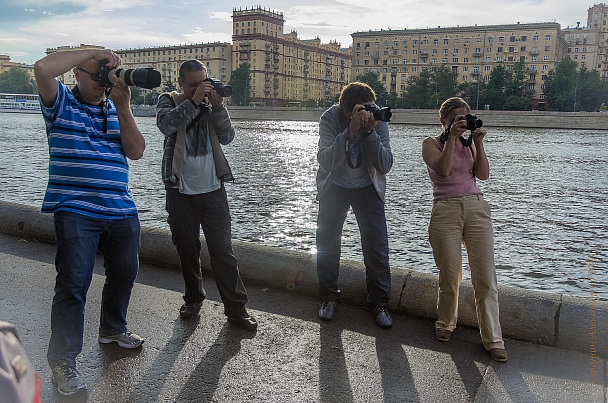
(194, 170)
(354, 157)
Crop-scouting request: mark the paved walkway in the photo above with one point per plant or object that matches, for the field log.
(292, 358)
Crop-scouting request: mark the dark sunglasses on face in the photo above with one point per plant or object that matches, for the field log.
(94, 76)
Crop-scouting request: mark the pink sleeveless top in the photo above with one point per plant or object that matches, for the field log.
(461, 181)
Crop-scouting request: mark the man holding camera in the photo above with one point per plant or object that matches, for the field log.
(354, 157)
(194, 170)
(90, 139)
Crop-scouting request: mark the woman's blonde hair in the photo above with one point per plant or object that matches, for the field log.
(452, 103)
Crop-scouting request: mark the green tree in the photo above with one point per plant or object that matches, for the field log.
(561, 86)
(240, 81)
(417, 91)
(17, 81)
(473, 92)
(445, 81)
(518, 95)
(591, 90)
(494, 91)
(372, 79)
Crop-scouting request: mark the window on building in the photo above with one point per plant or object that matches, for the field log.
(446, 41)
(490, 40)
(524, 38)
(501, 39)
(435, 41)
(548, 37)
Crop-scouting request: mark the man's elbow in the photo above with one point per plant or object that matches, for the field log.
(135, 154)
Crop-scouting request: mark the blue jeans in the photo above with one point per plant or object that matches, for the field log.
(369, 211)
(187, 214)
(78, 238)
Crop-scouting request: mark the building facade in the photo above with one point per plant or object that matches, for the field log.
(6, 64)
(471, 52)
(583, 47)
(597, 18)
(167, 59)
(284, 69)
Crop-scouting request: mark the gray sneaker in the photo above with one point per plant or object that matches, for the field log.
(124, 340)
(67, 379)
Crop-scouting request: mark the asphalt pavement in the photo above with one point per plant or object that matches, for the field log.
(293, 357)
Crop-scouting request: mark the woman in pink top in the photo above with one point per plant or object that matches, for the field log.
(461, 215)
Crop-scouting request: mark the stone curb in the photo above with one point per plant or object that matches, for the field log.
(556, 320)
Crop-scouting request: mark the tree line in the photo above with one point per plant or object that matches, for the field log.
(567, 88)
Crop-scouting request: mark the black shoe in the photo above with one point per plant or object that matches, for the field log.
(189, 310)
(328, 310)
(382, 317)
(244, 321)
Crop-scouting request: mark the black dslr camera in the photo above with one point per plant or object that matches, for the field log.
(222, 90)
(472, 124)
(383, 114)
(472, 121)
(141, 77)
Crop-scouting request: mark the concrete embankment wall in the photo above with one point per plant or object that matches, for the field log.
(551, 319)
(522, 119)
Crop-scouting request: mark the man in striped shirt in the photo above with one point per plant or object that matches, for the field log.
(90, 139)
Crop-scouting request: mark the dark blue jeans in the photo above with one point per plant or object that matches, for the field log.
(187, 214)
(78, 238)
(369, 211)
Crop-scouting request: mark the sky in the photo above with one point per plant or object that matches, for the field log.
(29, 27)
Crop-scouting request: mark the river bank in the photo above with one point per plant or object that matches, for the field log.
(425, 117)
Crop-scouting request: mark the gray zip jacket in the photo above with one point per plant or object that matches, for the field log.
(376, 149)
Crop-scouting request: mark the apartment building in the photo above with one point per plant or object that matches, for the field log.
(597, 18)
(471, 52)
(6, 64)
(167, 60)
(583, 47)
(284, 68)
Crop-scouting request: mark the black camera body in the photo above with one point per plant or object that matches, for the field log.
(383, 114)
(222, 90)
(142, 77)
(472, 121)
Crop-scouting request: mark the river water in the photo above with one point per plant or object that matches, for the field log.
(548, 191)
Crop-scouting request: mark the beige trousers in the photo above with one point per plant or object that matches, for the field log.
(453, 222)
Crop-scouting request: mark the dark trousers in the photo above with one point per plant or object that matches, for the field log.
(187, 214)
(369, 212)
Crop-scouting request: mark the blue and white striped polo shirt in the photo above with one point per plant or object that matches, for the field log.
(88, 171)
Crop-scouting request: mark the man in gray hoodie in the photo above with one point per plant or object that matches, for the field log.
(354, 157)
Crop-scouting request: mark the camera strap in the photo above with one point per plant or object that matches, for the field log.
(103, 104)
(349, 158)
